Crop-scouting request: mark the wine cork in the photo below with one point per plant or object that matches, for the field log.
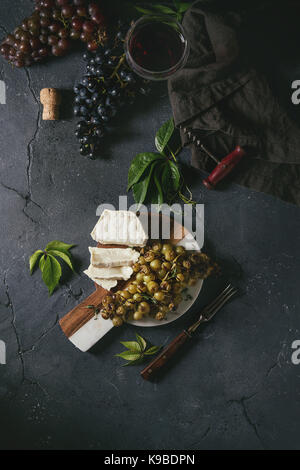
(50, 99)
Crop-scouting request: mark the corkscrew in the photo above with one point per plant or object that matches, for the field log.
(224, 166)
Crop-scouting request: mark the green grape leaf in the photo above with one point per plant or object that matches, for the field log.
(133, 346)
(183, 7)
(129, 355)
(65, 256)
(34, 259)
(152, 350)
(51, 272)
(160, 196)
(166, 179)
(138, 166)
(142, 342)
(145, 11)
(42, 262)
(48, 264)
(59, 246)
(175, 175)
(140, 189)
(164, 134)
(164, 9)
(136, 350)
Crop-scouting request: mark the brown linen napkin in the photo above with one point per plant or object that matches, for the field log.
(225, 91)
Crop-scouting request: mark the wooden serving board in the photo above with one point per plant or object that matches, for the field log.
(81, 315)
(79, 325)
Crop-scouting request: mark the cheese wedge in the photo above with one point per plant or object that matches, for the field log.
(118, 272)
(112, 257)
(119, 228)
(107, 284)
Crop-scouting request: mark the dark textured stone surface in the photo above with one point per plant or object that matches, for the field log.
(234, 388)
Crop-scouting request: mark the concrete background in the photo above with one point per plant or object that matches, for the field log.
(234, 388)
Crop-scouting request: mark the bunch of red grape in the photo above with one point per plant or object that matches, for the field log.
(49, 31)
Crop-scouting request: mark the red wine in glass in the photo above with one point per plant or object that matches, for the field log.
(156, 48)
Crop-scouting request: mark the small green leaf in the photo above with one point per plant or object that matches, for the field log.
(63, 255)
(142, 342)
(175, 175)
(152, 350)
(143, 10)
(183, 7)
(133, 346)
(42, 262)
(138, 166)
(51, 272)
(153, 195)
(33, 259)
(140, 189)
(56, 272)
(164, 9)
(48, 264)
(59, 246)
(166, 180)
(160, 196)
(129, 356)
(164, 134)
(166, 174)
(136, 350)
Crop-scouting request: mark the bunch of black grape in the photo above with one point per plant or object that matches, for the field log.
(51, 28)
(107, 85)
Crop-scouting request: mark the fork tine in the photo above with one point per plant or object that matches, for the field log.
(221, 300)
(219, 305)
(208, 312)
(217, 299)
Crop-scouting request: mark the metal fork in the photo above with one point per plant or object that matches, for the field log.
(206, 314)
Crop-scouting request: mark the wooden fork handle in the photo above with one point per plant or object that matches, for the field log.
(160, 361)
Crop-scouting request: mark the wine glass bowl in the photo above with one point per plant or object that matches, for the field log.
(156, 47)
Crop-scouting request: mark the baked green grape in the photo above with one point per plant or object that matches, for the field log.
(158, 293)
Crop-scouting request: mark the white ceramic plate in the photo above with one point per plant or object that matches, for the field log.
(193, 292)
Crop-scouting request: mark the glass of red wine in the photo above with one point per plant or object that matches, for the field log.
(156, 47)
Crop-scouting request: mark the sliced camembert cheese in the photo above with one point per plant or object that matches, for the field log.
(111, 257)
(107, 284)
(118, 272)
(119, 228)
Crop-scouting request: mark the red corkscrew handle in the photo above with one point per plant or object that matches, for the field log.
(226, 165)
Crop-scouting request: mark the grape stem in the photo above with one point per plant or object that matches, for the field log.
(121, 61)
(64, 22)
